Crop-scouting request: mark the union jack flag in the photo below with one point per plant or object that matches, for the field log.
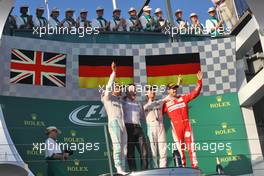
(38, 68)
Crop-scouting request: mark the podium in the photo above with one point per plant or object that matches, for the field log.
(164, 172)
(12, 170)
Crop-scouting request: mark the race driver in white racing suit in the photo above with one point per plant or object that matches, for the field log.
(116, 126)
(155, 128)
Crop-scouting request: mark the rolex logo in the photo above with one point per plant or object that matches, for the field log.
(225, 129)
(73, 133)
(76, 162)
(229, 152)
(224, 125)
(34, 116)
(219, 98)
(34, 121)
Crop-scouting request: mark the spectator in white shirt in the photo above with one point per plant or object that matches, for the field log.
(146, 20)
(53, 20)
(100, 22)
(180, 22)
(117, 23)
(214, 26)
(82, 21)
(53, 153)
(133, 23)
(24, 21)
(69, 21)
(39, 20)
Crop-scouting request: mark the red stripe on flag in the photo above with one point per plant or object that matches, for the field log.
(42, 68)
(104, 71)
(38, 60)
(174, 69)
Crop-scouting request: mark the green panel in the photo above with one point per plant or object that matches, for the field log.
(216, 120)
(27, 119)
(218, 123)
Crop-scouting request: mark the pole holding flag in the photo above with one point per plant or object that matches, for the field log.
(47, 7)
(114, 4)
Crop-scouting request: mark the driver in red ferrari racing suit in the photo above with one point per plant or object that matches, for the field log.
(177, 110)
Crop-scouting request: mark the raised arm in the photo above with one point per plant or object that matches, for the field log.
(109, 86)
(151, 104)
(197, 89)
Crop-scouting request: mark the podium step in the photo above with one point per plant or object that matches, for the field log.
(164, 172)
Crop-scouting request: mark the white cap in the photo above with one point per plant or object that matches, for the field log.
(131, 9)
(69, 10)
(24, 6)
(116, 10)
(55, 9)
(51, 128)
(178, 10)
(41, 8)
(211, 9)
(83, 11)
(193, 14)
(99, 8)
(147, 8)
(158, 10)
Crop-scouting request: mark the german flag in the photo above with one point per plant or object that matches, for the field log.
(94, 71)
(163, 69)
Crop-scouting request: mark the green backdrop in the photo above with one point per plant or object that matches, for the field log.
(216, 120)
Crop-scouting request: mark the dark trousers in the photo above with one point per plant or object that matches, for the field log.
(136, 139)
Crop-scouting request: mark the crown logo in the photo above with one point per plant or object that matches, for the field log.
(73, 133)
(219, 98)
(76, 162)
(229, 152)
(34, 116)
(224, 125)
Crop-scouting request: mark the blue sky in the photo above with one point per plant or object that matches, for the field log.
(198, 6)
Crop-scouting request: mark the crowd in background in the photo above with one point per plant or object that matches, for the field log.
(220, 18)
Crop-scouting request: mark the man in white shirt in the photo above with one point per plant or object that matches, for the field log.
(39, 20)
(180, 22)
(117, 23)
(82, 21)
(24, 21)
(226, 11)
(159, 22)
(53, 20)
(100, 22)
(116, 126)
(214, 26)
(133, 113)
(133, 23)
(69, 21)
(146, 20)
(53, 154)
(196, 27)
(155, 127)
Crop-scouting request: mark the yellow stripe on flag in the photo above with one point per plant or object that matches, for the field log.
(97, 82)
(164, 80)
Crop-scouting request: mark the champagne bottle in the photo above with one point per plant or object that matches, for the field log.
(219, 168)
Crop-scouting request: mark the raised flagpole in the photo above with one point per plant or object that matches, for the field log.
(114, 4)
(169, 11)
(47, 7)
